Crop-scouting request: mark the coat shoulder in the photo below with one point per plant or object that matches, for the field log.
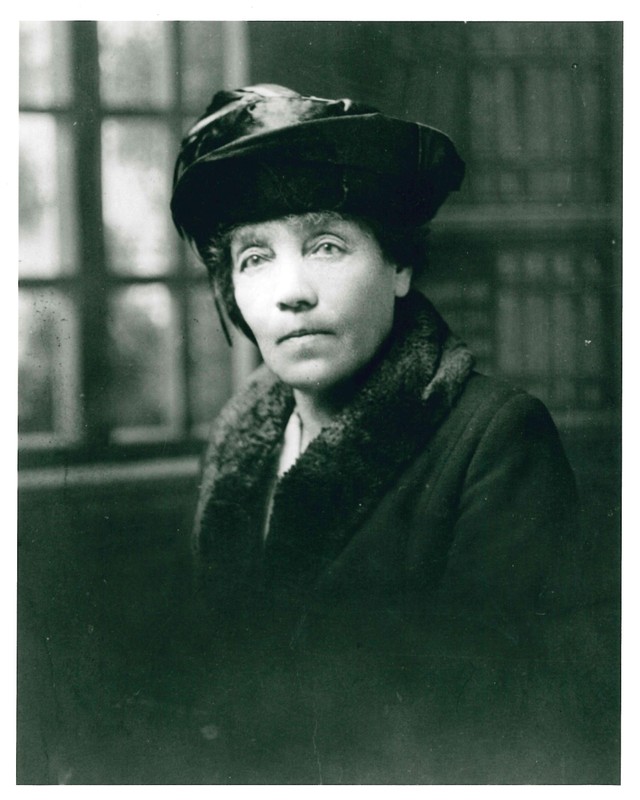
(484, 396)
(489, 408)
(498, 449)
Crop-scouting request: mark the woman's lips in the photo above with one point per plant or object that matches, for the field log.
(302, 332)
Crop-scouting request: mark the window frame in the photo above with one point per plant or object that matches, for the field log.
(92, 280)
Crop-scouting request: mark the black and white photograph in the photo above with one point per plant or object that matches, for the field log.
(319, 402)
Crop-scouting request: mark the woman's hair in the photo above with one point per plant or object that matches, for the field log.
(406, 246)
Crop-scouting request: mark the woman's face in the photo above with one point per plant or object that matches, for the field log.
(318, 294)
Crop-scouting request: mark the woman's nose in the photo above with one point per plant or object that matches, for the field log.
(294, 289)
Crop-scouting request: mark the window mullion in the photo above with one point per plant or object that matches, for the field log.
(183, 288)
(93, 305)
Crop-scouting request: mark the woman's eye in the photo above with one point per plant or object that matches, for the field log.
(328, 249)
(252, 260)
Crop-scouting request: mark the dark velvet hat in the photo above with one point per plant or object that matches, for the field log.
(265, 151)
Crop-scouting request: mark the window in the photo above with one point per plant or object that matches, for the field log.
(121, 350)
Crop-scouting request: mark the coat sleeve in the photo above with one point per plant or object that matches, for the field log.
(512, 636)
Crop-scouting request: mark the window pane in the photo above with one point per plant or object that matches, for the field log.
(135, 63)
(48, 365)
(44, 63)
(203, 64)
(209, 358)
(45, 202)
(144, 346)
(136, 172)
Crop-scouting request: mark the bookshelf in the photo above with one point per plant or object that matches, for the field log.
(526, 257)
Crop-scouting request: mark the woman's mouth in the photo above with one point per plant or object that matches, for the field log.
(301, 333)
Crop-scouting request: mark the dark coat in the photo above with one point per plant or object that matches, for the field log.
(407, 618)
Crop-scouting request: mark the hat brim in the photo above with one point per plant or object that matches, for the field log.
(368, 165)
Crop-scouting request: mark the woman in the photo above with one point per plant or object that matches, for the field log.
(385, 539)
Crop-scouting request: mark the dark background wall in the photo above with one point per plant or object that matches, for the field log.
(526, 257)
(525, 265)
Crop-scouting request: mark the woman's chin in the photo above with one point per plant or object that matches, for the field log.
(311, 378)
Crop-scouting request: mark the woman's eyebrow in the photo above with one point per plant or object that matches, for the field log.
(250, 237)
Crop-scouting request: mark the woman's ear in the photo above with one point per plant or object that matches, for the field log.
(403, 280)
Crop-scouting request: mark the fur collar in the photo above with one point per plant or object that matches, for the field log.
(337, 481)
